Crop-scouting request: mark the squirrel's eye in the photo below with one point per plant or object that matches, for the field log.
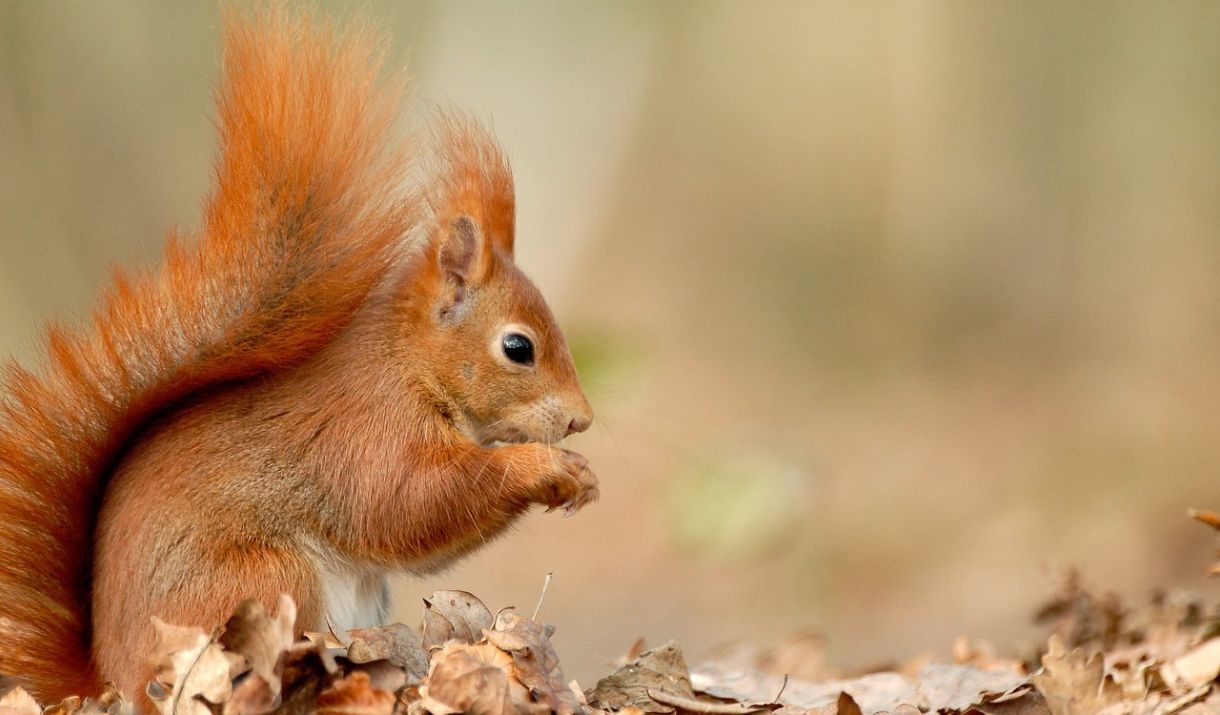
(518, 348)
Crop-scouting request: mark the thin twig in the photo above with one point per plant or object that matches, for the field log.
(775, 700)
(180, 685)
(545, 584)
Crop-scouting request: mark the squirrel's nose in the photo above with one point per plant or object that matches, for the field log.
(579, 424)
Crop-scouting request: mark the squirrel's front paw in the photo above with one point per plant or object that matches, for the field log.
(569, 484)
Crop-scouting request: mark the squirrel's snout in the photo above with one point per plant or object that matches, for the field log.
(579, 424)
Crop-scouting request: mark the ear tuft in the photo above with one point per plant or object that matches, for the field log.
(473, 178)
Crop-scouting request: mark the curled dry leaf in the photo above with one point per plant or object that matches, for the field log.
(484, 666)
(399, 644)
(453, 615)
(476, 679)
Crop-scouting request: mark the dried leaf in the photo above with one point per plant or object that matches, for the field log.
(1081, 618)
(453, 615)
(109, 702)
(802, 656)
(323, 640)
(875, 692)
(635, 651)
(355, 695)
(1074, 683)
(535, 663)
(1181, 702)
(1135, 679)
(956, 687)
(1198, 666)
(252, 694)
(261, 638)
(18, 702)
(661, 668)
(399, 644)
(192, 668)
(843, 704)
(68, 706)
(982, 654)
(473, 679)
(307, 671)
(695, 705)
(1021, 700)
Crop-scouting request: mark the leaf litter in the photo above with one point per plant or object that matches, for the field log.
(1101, 657)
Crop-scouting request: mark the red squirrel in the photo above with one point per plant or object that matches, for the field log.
(338, 377)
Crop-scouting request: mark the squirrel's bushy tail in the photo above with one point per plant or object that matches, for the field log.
(307, 208)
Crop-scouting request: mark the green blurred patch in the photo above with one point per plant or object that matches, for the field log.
(604, 357)
(737, 509)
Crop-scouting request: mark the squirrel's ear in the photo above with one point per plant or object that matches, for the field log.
(463, 255)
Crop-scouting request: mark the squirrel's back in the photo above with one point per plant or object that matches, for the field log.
(301, 225)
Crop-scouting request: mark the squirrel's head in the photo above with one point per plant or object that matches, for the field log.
(494, 351)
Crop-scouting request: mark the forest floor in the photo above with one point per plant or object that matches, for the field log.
(1100, 656)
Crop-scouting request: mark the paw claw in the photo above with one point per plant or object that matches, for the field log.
(569, 487)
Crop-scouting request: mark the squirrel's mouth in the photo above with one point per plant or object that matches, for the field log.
(501, 440)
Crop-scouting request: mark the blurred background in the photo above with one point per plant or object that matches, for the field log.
(889, 311)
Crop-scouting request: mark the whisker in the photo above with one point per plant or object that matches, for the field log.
(618, 447)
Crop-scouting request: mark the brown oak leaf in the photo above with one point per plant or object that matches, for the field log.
(1074, 683)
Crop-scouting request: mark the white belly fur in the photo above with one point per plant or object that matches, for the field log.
(353, 596)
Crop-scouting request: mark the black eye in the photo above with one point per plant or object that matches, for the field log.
(518, 348)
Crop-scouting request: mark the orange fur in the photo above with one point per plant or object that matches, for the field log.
(311, 393)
